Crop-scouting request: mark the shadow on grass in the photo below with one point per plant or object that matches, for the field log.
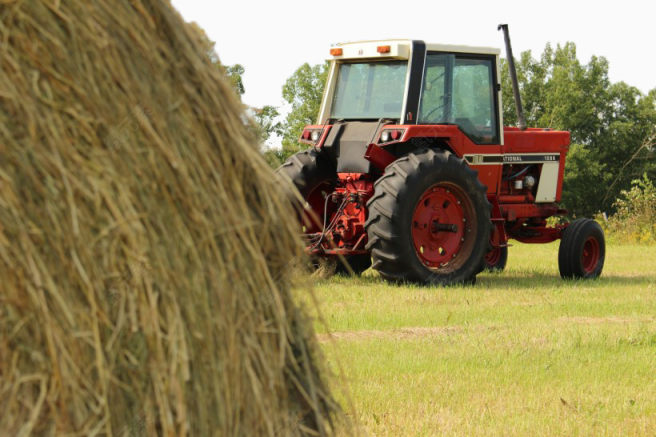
(503, 280)
(534, 279)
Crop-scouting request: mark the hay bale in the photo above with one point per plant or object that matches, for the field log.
(144, 251)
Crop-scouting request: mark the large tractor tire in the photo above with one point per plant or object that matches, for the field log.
(495, 260)
(429, 220)
(314, 176)
(582, 250)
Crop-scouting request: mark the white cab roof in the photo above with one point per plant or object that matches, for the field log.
(400, 49)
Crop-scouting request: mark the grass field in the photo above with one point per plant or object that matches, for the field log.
(520, 353)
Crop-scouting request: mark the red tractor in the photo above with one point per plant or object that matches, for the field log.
(410, 168)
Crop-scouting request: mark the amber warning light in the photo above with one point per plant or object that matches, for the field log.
(384, 49)
(336, 52)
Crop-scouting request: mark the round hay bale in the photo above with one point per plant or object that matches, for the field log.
(144, 250)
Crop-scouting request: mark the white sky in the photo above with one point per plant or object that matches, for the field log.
(271, 39)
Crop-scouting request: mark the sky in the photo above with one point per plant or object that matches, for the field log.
(271, 39)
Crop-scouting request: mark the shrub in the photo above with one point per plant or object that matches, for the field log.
(635, 219)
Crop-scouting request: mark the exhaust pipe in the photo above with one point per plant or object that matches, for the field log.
(513, 77)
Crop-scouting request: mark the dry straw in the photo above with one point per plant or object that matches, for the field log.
(144, 250)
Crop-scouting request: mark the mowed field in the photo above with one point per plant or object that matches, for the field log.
(520, 353)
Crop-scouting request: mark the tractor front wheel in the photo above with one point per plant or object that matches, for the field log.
(582, 250)
(429, 220)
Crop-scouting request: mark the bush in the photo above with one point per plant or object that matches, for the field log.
(635, 219)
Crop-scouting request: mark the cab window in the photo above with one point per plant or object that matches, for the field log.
(460, 90)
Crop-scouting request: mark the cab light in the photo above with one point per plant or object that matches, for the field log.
(336, 52)
(384, 49)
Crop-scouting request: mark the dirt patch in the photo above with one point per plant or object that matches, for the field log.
(398, 334)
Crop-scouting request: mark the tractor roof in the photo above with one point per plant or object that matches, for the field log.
(397, 49)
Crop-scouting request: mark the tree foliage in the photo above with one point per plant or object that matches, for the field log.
(265, 124)
(234, 74)
(303, 91)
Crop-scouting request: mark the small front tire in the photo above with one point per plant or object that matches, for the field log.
(582, 250)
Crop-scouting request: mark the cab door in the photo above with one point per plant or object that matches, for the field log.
(461, 89)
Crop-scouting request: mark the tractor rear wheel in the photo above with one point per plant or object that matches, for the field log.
(429, 220)
(582, 250)
(495, 260)
(314, 177)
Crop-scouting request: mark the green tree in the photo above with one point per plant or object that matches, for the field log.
(303, 91)
(265, 124)
(234, 74)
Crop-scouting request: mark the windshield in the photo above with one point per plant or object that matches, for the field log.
(370, 90)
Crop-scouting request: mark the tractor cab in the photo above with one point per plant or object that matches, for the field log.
(411, 82)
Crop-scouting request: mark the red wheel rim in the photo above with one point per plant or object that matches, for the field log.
(590, 255)
(493, 257)
(443, 227)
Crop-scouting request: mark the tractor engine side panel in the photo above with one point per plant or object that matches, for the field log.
(550, 150)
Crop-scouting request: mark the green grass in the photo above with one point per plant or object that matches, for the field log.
(521, 352)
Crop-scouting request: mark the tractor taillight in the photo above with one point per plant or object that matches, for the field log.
(336, 52)
(311, 136)
(390, 135)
